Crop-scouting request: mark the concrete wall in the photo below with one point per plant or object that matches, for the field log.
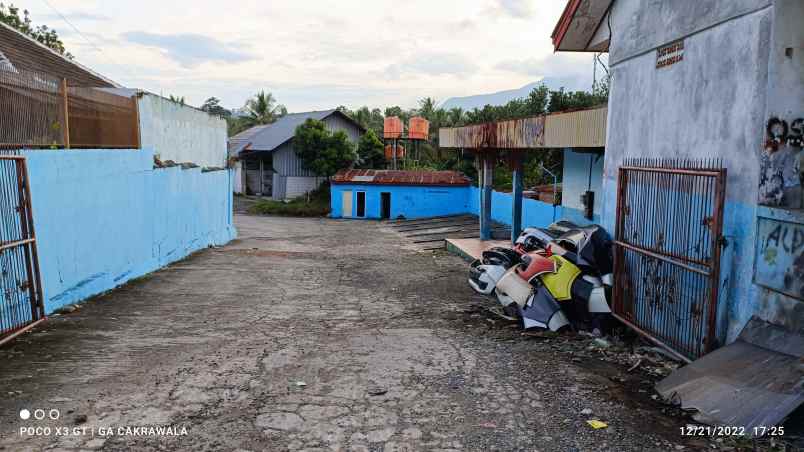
(712, 104)
(407, 201)
(181, 133)
(535, 213)
(784, 303)
(576, 180)
(105, 217)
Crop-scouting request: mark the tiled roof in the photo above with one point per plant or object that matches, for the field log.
(390, 177)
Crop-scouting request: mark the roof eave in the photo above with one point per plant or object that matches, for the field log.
(564, 26)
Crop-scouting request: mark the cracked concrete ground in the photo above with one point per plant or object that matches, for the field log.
(309, 334)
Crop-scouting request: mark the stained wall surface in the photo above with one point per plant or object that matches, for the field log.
(104, 217)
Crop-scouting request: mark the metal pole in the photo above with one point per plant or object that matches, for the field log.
(485, 208)
(66, 114)
(555, 187)
(516, 220)
(394, 156)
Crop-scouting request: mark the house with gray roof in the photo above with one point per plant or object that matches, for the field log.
(267, 164)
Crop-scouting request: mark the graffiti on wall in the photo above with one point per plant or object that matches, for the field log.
(781, 169)
(780, 257)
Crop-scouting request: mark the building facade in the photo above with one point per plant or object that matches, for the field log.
(714, 80)
(267, 163)
(388, 194)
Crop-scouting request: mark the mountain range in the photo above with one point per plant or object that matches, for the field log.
(503, 97)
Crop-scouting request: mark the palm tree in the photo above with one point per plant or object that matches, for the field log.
(427, 107)
(263, 109)
(456, 117)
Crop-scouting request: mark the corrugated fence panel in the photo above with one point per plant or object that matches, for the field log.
(584, 128)
(286, 163)
(335, 123)
(577, 129)
(521, 133)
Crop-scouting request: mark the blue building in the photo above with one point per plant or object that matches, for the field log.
(381, 194)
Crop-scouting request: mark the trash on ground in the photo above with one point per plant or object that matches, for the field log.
(595, 424)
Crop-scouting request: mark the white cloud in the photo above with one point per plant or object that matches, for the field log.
(517, 8)
(432, 64)
(559, 64)
(189, 49)
(314, 54)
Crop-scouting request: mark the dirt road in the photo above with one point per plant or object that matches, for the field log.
(311, 334)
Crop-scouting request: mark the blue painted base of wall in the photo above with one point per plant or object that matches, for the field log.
(535, 214)
(406, 201)
(105, 217)
(423, 202)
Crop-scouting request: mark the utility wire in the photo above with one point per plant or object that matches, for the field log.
(105, 55)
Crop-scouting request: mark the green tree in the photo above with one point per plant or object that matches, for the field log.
(263, 109)
(213, 106)
(427, 108)
(561, 100)
(10, 15)
(536, 102)
(456, 117)
(370, 151)
(321, 151)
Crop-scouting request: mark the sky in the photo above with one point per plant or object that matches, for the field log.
(315, 54)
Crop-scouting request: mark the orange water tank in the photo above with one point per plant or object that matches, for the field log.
(392, 127)
(389, 152)
(418, 128)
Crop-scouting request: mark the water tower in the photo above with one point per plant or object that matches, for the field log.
(394, 133)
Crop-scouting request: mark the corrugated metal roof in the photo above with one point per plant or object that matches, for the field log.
(754, 382)
(27, 54)
(5, 64)
(577, 129)
(390, 177)
(266, 138)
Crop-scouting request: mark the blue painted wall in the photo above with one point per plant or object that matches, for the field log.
(407, 201)
(421, 202)
(576, 179)
(534, 213)
(104, 217)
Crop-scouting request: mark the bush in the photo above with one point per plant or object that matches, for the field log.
(318, 205)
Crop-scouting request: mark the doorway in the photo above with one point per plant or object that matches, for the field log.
(385, 205)
(346, 203)
(361, 204)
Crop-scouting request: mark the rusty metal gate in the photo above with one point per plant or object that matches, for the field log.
(667, 251)
(20, 288)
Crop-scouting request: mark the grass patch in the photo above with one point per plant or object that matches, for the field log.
(317, 206)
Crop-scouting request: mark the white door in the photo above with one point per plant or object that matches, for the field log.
(347, 203)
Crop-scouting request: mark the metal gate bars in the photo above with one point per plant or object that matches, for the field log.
(667, 251)
(21, 302)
